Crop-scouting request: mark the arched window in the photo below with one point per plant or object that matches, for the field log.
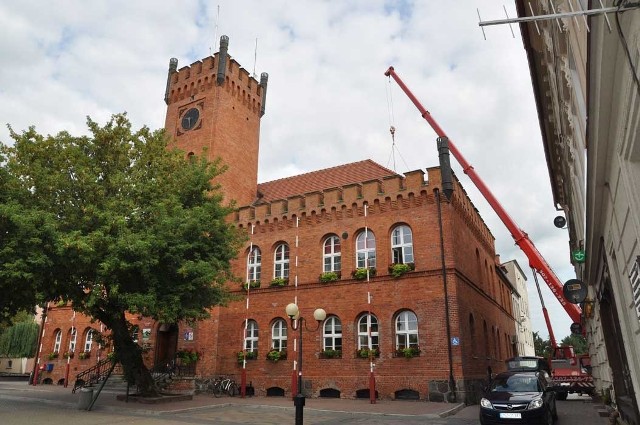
(472, 329)
(73, 334)
(402, 245)
(88, 340)
(281, 262)
(57, 341)
(366, 250)
(254, 265)
(331, 254)
(332, 334)
(365, 323)
(251, 336)
(279, 335)
(406, 330)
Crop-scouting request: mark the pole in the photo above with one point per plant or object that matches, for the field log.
(298, 402)
(452, 382)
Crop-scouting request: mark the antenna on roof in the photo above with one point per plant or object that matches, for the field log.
(557, 15)
(255, 58)
(215, 33)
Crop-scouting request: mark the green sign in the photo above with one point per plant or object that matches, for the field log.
(579, 256)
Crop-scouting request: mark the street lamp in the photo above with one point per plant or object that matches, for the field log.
(296, 321)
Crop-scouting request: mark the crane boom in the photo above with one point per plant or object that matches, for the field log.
(536, 260)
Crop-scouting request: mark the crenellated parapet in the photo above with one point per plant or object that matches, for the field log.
(220, 69)
(391, 193)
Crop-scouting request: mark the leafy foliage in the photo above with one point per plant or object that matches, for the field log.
(19, 340)
(578, 342)
(115, 222)
(542, 347)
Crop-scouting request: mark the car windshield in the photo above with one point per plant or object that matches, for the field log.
(515, 383)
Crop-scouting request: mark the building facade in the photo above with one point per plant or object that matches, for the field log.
(408, 279)
(520, 298)
(585, 78)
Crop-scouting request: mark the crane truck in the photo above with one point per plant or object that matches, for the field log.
(569, 373)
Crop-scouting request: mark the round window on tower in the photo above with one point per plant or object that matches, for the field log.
(190, 119)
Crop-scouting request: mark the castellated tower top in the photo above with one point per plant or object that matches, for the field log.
(214, 107)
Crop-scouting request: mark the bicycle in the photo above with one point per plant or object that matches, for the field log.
(223, 385)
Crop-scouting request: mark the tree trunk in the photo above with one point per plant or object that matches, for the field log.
(129, 354)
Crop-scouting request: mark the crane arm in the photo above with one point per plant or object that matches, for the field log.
(536, 260)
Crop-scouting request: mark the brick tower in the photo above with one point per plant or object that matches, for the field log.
(215, 105)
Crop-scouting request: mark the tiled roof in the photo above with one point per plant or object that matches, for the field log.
(342, 175)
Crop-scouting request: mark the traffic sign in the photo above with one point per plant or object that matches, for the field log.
(579, 256)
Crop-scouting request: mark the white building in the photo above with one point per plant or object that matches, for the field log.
(520, 299)
(586, 79)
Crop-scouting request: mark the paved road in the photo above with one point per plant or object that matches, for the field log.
(25, 408)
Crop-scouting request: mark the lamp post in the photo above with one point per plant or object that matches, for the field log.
(296, 324)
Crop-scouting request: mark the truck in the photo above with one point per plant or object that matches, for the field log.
(569, 373)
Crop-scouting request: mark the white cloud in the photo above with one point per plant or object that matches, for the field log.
(328, 100)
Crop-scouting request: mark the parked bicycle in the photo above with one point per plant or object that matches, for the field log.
(221, 385)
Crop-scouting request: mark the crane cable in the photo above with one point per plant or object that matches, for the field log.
(392, 130)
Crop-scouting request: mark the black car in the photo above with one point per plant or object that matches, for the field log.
(517, 397)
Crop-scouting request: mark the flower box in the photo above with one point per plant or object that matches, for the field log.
(84, 355)
(248, 355)
(398, 269)
(279, 281)
(327, 277)
(365, 353)
(331, 354)
(361, 273)
(253, 285)
(408, 352)
(275, 355)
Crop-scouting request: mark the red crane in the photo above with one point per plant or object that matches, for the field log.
(536, 261)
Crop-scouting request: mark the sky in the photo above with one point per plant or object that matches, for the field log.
(328, 100)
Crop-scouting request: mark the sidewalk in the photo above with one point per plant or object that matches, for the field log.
(63, 397)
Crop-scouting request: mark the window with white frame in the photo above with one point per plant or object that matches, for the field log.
(332, 334)
(331, 254)
(406, 330)
(279, 335)
(254, 264)
(281, 262)
(368, 331)
(88, 340)
(402, 245)
(57, 341)
(366, 250)
(251, 336)
(73, 334)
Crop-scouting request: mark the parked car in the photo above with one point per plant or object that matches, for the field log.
(517, 397)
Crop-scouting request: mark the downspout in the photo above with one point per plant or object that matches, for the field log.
(452, 382)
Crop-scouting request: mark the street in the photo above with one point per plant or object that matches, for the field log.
(25, 405)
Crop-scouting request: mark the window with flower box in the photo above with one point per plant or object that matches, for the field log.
(251, 336)
(331, 255)
(281, 262)
(254, 264)
(366, 250)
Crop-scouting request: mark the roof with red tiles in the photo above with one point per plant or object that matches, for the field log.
(341, 175)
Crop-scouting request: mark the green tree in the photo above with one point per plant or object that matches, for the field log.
(130, 226)
(578, 342)
(25, 236)
(19, 340)
(541, 346)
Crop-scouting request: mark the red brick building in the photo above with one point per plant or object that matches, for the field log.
(310, 239)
